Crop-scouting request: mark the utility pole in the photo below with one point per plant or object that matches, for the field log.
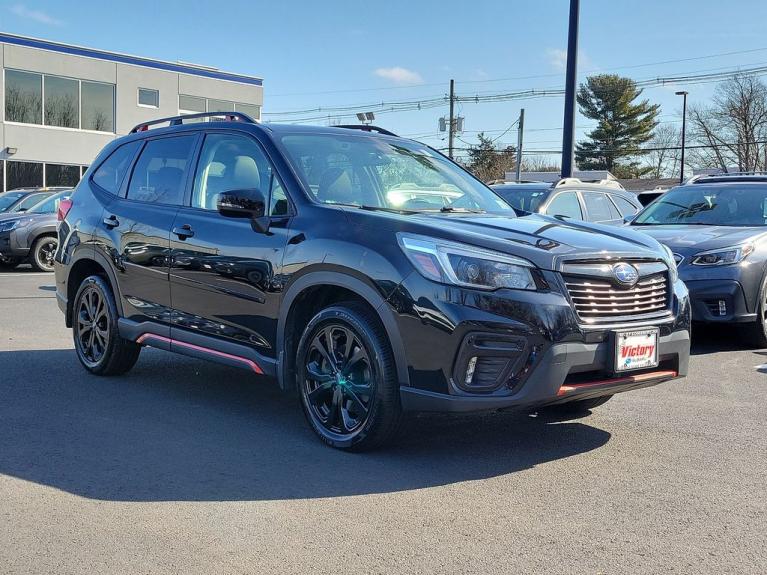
(520, 131)
(684, 130)
(568, 134)
(451, 125)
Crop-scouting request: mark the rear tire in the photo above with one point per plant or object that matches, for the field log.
(755, 333)
(579, 407)
(42, 253)
(98, 344)
(347, 379)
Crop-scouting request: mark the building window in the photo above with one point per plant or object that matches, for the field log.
(220, 106)
(250, 109)
(23, 97)
(62, 102)
(191, 105)
(149, 98)
(61, 175)
(98, 106)
(23, 175)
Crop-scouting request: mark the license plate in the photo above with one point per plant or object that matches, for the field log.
(636, 349)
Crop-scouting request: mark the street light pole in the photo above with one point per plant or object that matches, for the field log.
(568, 134)
(684, 130)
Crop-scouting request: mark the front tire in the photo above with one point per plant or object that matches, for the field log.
(98, 344)
(347, 378)
(43, 252)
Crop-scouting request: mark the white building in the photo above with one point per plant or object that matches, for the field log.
(63, 103)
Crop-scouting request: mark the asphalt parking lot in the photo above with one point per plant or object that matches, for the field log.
(188, 467)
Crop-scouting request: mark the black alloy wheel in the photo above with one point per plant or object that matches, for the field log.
(44, 252)
(339, 383)
(98, 344)
(92, 325)
(347, 378)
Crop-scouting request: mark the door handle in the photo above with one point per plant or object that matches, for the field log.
(184, 232)
(111, 221)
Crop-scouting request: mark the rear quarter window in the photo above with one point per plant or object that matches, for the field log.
(110, 174)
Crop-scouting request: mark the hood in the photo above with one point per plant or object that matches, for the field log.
(543, 240)
(686, 239)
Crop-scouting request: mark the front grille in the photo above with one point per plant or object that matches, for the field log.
(599, 300)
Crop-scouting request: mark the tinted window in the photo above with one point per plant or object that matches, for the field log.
(62, 102)
(229, 162)
(24, 175)
(110, 174)
(30, 201)
(147, 97)
(61, 175)
(600, 208)
(726, 205)
(565, 204)
(8, 199)
(160, 171)
(522, 198)
(626, 207)
(23, 97)
(98, 106)
(50, 205)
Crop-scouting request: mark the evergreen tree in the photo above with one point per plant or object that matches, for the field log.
(623, 126)
(487, 162)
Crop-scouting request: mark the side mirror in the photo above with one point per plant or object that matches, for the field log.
(628, 219)
(248, 203)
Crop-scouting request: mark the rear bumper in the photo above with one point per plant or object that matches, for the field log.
(563, 375)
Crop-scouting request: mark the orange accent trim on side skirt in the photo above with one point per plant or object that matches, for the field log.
(250, 363)
(565, 389)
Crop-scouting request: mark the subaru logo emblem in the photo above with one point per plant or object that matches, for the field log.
(625, 274)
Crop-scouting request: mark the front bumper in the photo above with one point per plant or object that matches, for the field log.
(563, 375)
(528, 347)
(706, 295)
(10, 247)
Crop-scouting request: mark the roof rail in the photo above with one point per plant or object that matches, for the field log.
(575, 181)
(367, 128)
(179, 120)
(752, 176)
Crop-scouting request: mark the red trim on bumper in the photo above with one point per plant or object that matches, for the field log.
(250, 363)
(565, 389)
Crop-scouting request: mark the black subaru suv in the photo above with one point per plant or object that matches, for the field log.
(365, 272)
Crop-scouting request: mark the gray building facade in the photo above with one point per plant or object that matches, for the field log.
(63, 103)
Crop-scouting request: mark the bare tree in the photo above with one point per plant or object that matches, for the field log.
(733, 128)
(664, 153)
(539, 163)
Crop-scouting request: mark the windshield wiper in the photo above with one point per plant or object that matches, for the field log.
(451, 209)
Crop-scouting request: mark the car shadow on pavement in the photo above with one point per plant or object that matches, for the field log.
(177, 429)
(716, 338)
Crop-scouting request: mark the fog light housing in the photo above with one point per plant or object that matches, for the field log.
(722, 307)
(470, 370)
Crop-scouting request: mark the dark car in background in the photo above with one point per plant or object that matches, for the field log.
(605, 202)
(367, 273)
(30, 235)
(20, 200)
(717, 228)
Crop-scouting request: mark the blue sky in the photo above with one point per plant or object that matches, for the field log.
(334, 53)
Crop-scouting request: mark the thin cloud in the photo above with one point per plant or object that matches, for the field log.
(558, 59)
(398, 75)
(38, 16)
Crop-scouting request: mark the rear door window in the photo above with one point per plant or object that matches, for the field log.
(626, 207)
(599, 207)
(160, 173)
(565, 204)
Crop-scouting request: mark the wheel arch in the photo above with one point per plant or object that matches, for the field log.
(84, 265)
(319, 289)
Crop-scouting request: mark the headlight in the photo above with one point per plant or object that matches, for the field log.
(12, 225)
(463, 265)
(722, 256)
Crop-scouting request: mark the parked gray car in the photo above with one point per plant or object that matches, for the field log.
(716, 226)
(604, 202)
(31, 235)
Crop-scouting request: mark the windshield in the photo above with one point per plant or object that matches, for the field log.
(708, 204)
(50, 204)
(29, 201)
(386, 173)
(523, 198)
(8, 199)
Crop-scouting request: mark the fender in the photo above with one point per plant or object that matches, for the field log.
(89, 252)
(366, 292)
